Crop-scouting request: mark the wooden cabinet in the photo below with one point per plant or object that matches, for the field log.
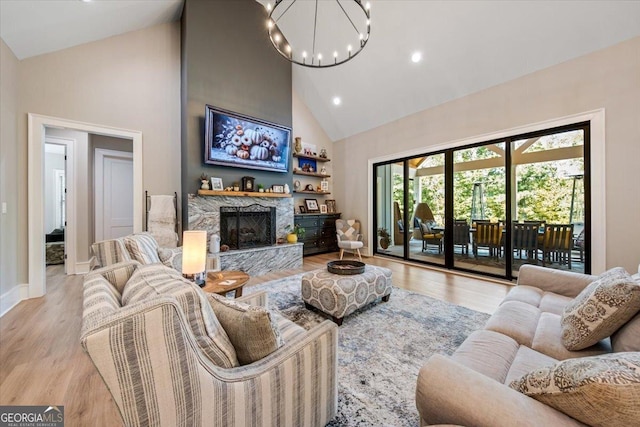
(320, 232)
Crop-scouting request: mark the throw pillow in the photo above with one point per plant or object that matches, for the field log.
(599, 390)
(171, 257)
(252, 330)
(142, 247)
(600, 309)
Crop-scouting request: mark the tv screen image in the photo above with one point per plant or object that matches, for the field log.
(236, 140)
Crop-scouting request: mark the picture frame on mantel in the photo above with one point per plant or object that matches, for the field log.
(216, 184)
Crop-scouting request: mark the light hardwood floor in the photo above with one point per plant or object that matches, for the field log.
(42, 362)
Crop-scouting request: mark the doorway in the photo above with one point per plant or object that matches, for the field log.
(37, 125)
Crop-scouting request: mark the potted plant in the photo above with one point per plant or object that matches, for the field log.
(261, 188)
(385, 238)
(295, 232)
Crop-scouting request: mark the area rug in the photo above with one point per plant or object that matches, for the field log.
(381, 349)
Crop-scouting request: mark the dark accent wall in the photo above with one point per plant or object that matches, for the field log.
(228, 62)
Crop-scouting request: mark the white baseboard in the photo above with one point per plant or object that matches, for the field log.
(10, 299)
(84, 267)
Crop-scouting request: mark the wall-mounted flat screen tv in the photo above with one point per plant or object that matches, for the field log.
(236, 140)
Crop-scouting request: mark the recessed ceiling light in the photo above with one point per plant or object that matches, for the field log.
(416, 57)
(337, 100)
(86, 1)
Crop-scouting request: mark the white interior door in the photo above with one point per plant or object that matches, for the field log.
(114, 194)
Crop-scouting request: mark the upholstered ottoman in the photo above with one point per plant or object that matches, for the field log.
(339, 296)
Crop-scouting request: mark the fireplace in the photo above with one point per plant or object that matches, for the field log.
(247, 226)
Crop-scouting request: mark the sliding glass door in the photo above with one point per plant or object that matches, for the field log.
(490, 207)
(479, 208)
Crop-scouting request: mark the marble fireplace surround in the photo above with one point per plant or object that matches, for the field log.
(204, 214)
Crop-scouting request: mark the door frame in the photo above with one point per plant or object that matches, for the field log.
(70, 201)
(98, 178)
(596, 119)
(35, 185)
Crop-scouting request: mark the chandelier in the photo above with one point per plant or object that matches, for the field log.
(320, 33)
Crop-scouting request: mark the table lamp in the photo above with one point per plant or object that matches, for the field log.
(194, 255)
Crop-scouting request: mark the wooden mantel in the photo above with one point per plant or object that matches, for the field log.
(240, 193)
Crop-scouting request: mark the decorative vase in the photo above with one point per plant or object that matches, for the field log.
(205, 184)
(292, 238)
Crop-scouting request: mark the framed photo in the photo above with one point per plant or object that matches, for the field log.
(311, 205)
(307, 165)
(277, 188)
(236, 140)
(216, 184)
(323, 208)
(331, 206)
(302, 209)
(324, 185)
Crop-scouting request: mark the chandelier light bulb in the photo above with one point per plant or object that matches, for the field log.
(270, 24)
(349, 48)
(268, 7)
(361, 36)
(367, 6)
(277, 38)
(319, 56)
(288, 48)
(335, 54)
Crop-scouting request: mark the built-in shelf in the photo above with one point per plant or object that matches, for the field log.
(305, 156)
(240, 193)
(323, 193)
(319, 175)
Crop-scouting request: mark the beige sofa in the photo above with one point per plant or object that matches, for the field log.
(169, 358)
(471, 387)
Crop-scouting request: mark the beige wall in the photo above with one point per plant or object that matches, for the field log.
(131, 81)
(608, 79)
(307, 127)
(8, 177)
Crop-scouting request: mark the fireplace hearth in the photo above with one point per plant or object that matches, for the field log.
(247, 227)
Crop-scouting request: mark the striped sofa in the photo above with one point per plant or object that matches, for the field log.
(168, 362)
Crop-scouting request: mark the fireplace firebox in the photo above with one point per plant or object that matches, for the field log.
(247, 226)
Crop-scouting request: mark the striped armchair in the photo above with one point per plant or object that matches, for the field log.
(151, 355)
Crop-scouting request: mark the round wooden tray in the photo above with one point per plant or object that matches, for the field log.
(345, 267)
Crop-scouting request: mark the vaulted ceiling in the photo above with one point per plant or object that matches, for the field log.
(466, 46)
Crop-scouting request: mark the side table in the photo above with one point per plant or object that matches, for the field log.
(221, 282)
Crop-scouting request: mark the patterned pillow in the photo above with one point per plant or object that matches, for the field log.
(171, 257)
(599, 390)
(600, 309)
(143, 248)
(252, 330)
(151, 281)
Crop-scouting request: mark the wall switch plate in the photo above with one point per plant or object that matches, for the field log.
(4, 207)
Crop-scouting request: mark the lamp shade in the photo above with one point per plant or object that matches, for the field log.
(194, 251)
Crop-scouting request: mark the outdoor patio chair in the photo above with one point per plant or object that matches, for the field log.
(461, 231)
(557, 244)
(525, 238)
(489, 235)
(430, 237)
(578, 244)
